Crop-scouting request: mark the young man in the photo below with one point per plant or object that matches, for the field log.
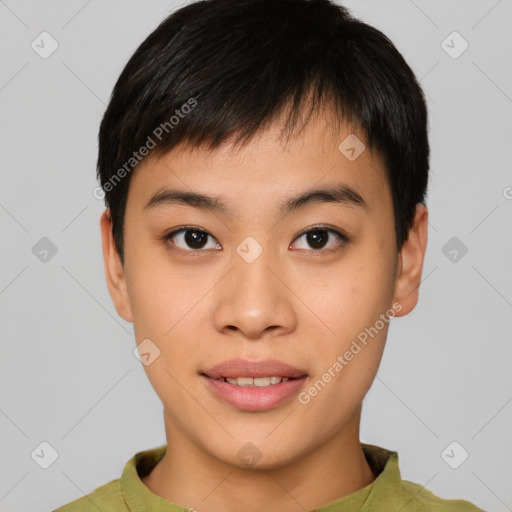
(265, 165)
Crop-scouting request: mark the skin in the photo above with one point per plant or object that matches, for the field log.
(296, 303)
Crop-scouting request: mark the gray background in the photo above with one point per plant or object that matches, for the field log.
(69, 376)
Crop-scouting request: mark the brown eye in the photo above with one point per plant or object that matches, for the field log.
(191, 239)
(320, 237)
(317, 238)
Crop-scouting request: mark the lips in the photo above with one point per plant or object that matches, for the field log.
(236, 368)
(255, 386)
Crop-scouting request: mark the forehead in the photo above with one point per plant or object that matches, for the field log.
(267, 168)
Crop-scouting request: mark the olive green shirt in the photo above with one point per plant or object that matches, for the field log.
(387, 493)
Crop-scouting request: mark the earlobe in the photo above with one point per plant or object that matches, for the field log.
(410, 264)
(114, 272)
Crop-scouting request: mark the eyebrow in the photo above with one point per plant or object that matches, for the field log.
(341, 194)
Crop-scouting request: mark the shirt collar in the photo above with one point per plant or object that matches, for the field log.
(138, 497)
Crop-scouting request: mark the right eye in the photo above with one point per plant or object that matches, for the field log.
(190, 239)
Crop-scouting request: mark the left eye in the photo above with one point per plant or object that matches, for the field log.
(318, 238)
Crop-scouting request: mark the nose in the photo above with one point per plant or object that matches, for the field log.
(254, 300)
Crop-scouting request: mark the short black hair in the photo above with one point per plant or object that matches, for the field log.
(225, 69)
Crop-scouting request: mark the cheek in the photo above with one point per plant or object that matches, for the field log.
(350, 295)
(168, 308)
(164, 313)
(345, 370)
(351, 301)
(161, 294)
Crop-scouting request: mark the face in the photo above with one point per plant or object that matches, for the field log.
(312, 284)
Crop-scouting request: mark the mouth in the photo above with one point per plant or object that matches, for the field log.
(254, 386)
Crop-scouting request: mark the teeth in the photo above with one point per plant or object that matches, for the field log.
(256, 382)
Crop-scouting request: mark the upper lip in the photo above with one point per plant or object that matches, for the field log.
(235, 368)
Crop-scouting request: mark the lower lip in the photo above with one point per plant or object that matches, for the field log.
(255, 399)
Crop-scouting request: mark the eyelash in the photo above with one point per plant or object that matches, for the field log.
(344, 239)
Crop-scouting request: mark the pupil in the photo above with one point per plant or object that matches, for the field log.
(195, 239)
(317, 238)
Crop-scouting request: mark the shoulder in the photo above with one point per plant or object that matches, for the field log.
(115, 495)
(391, 492)
(107, 498)
(416, 498)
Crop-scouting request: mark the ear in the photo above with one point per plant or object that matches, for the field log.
(410, 262)
(114, 272)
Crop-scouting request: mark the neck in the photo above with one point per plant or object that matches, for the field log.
(331, 471)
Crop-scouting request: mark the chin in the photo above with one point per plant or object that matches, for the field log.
(254, 454)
